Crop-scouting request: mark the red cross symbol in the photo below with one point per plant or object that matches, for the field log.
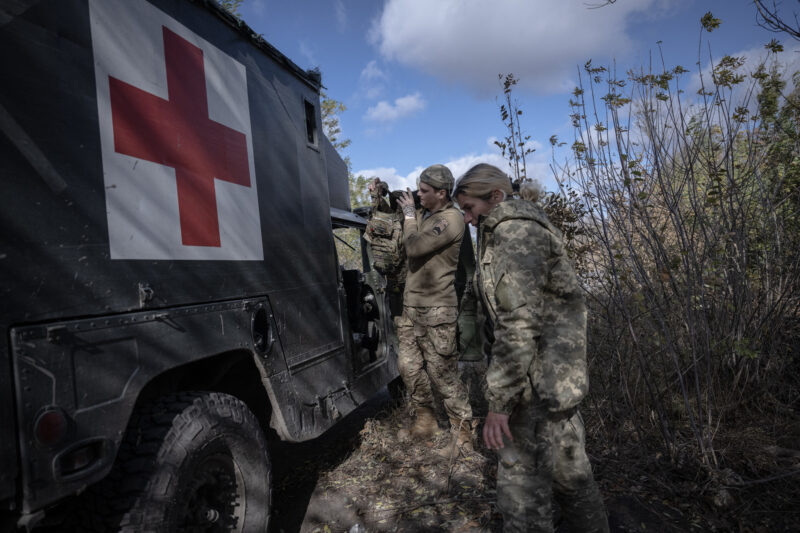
(178, 133)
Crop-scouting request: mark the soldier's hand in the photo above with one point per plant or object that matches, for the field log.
(373, 184)
(406, 202)
(494, 428)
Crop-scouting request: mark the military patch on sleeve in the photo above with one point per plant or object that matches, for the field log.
(440, 226)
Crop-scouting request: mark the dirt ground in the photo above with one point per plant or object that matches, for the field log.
(358, 478)
(356, 475)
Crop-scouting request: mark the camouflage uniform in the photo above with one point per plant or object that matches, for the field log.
(537, 373)
(428, 357)
(384, 233)
(427, 329)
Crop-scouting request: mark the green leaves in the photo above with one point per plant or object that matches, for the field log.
(774, 46)
(725, 71)
(359, 194)
(329, 111)
(741, 114)
(709, 22)
(514, 146)
(615, 100)
(593, 70)
(579, 148)
(232, 6)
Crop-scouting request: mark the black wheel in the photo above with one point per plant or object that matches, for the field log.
(190, 462)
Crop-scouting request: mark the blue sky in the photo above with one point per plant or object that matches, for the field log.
(419, 77)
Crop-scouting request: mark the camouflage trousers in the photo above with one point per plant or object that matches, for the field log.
(553, 465)
(428, 358)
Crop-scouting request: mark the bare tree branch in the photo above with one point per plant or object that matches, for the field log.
(603, 4)
(769, 19)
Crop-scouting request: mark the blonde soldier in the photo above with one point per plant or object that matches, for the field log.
(537, 373)
(427, 329)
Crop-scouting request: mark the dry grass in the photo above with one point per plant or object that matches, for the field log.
(372, 480)
(405, 486)
(755, 487)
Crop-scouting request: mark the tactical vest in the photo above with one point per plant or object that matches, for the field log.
(384, 232)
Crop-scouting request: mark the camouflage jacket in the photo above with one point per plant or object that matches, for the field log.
(432, 246)
(532, 298)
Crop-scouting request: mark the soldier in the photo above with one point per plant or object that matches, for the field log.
(385, 235)
(537, 373)
(427, 328)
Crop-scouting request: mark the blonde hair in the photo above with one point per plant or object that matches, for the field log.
(483, 179)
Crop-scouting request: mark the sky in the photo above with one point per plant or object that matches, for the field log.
(420, 81)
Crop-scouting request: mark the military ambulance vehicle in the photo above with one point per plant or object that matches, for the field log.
(171, 295)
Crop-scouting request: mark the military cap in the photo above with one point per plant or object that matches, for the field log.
(438, 177)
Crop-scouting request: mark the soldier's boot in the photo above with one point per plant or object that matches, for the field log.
(425, 424)
(424, 427)
(460, 441)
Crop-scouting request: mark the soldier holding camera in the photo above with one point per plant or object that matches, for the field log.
(426, 330)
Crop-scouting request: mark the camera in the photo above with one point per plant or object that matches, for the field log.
(394, 195)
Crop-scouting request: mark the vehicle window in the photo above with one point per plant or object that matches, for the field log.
(348, 248)
(311, 123)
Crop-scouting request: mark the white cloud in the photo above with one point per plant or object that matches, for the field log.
(372, 81)
(341, 16)
(471, 41)
(402, 107)
(374, 92)
(537, 169)
(371, 72)
(389, 175)
(460, 165)
(537, 166)
(306, 51)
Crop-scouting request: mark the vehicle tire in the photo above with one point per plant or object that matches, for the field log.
(190, 462)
